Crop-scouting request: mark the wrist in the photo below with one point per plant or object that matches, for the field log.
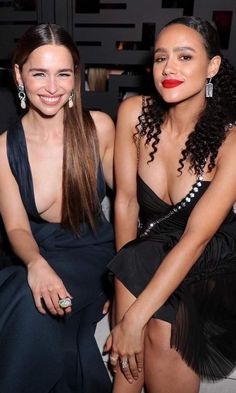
(135, 317)
(35, 261)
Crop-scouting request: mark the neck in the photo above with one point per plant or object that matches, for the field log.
(45, 126)
(182, 118)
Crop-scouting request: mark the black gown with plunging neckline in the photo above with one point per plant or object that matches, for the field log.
(202, 310)
(43, 353)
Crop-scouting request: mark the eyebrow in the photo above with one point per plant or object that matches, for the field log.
(177, 49)
(45, 70)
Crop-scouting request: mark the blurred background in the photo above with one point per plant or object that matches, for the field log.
(115, 39)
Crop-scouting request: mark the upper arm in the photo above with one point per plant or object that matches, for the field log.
(218, 200)
(11, 206)
(126, 160)
(106, 135)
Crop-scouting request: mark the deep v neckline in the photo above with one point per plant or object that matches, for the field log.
(169, 205)
(29, 172)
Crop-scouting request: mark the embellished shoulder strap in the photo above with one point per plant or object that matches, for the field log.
(176, 208)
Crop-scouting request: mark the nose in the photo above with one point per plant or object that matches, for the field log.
(169, 67)
(51, 85)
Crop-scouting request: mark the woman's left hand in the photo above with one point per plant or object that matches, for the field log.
(125, 344)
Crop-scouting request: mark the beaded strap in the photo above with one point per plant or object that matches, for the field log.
(175, 209)
(183, 202)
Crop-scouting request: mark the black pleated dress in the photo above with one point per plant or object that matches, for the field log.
(202, 310)
(43, 353)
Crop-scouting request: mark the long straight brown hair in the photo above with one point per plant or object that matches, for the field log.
(80, 202)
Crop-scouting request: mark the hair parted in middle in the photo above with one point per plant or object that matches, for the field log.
(80, 200)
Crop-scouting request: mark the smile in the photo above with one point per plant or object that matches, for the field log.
(170, 83)
(50, 100)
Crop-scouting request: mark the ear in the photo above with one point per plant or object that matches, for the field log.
(214, 66)
(18, 77)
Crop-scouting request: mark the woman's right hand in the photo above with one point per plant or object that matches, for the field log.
(125, 344)
(47, 288)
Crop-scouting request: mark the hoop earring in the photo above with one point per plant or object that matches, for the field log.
(209, 89)
(71, 103)
(22, 96)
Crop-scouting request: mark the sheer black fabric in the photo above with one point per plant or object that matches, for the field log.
(202, 310)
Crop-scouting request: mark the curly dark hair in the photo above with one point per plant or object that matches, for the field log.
(214, 121)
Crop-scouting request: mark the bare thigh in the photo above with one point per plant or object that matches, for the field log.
(165, 370)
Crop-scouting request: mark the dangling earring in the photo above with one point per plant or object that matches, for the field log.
(71, 103)
(22, 96)
(209, 89)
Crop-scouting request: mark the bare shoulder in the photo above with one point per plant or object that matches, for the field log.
(102, 120)
(228, 149)
(230, 140)
(131, 107)
(105, 127)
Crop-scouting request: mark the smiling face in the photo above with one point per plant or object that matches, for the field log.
(181, 64)
(48, 78)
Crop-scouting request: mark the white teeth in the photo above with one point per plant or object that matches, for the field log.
(50, 99)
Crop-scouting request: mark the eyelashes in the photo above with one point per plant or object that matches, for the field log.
(161, 59)
(43, 75)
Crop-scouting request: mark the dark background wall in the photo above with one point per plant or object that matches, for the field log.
(117, 35)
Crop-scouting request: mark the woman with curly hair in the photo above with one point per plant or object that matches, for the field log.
(175, 275)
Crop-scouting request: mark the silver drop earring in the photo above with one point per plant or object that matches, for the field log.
(71, 103)
(209, 89)
(22, 96)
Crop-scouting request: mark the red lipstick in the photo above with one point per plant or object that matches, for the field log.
(170, 83)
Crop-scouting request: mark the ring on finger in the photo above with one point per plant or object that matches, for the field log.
(65, 302)
(124, 364)
(113, 359)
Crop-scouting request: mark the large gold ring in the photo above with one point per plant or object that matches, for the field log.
(65, 302)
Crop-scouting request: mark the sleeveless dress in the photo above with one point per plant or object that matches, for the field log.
(43, 353)
(202, 310)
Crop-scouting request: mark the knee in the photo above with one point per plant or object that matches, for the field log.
(157, 339)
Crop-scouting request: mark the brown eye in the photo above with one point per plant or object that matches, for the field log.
(159, 59)
(39, 74)
(185, 57)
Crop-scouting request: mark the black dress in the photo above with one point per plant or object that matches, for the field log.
(42, 353)
(202, 310)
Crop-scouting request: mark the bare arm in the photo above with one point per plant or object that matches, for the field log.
(126, 204)
(204, 221)
(43, 281)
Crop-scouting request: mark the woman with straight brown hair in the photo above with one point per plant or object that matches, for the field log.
(54, 165)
